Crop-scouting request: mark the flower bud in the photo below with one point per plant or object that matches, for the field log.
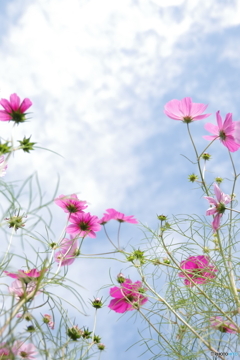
(206, 156)
(192, 177)
(120, 278)
(74, 333)
(97, 303)
(96, 339)
(15, 222)
(162, 217)
(101, 346)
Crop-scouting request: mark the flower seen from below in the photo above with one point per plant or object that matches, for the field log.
(47, 319)
(112, 214)
(129, 296)
(83, 224)
(25, 274)
(198, 268)
(217, 206)
(185, 110)
(224, 326)
(3, 166)
(71, 204)
(14, 109)
(21, 289)
(24, 350)
(224, 131)
(68, 251)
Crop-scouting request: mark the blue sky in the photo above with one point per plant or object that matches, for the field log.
(99, 74)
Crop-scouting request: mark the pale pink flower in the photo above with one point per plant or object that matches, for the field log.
(198, 268)
(217, 206)
(225, 131)
(25, 274)
(5, 352)
(68, 251)
(13, 110)
(24, 351)
(224, 326)
(71, 204)
(47, 319)
(129, 296)
(185, 110)
(3, 166)
(83, 224)
(21, 289)
(113, 214)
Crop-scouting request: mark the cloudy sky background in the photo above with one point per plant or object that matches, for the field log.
(99, 73)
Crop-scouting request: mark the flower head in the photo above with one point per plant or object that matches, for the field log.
(217, 206)
(5, 353)
(47, 319)
(198, 268)
(224, 326)
(24, 351)
(13, 110)
(225, 131)
(83, 224)
(68, 251)
(3, 166)
(127, 297)
(185, 110)
(71, 204)
(21, 289)
(113, 214)
(25, 274)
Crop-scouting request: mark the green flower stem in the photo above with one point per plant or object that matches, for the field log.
(109, 238)
(9, 246)
(207, 148)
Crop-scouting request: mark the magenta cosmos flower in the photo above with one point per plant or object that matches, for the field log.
(185, 110)
(68, 251)
(224, 326)
(13, 109)
(217, 206)
(83, 224)
(116, 215)
(129, 296)
(71, 204)
(25, 274)
(225, 131)
(21, 289)
(198, 268)
(24, 351)
(3, 166)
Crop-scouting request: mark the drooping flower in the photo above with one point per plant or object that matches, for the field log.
(47, 319)
(83, 224)
(25, 274)
(218, 323)
(21, 289)
(3, 166)
(217, 206)
(13, 110)
(185, 110)
(24, 351)
(198, 268)
(224, 131)
(68, 251)
(71, 204)
(113, 214)
(129, 296)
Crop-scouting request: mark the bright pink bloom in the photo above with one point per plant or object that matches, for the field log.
(24, 351)
(198, 268)
(47, 319)
(224, 326)
(4, 352)
(185, 110)
(21, 289)
(71, 204)
(224, 131)
(68, 251)
(83, 224)
(217, 207)
(116, 215)
(129, 296)
(13, 109)
(33, 273)
(3, 166)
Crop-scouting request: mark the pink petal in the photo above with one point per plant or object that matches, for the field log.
(230, 143)
(210, 137)
(120, 305)
(219, 120)
(15, 102)
(25, 105)
(200, 117)
(198, 109)
(186, 106)
(172, 110)
(237, 131)
(6, 104)
(212, 128)
(218, 193)
(216, 222)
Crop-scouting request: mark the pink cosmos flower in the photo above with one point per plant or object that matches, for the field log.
(217, 207)
(116, 215)
(224, 131)
(3, 166)
(198, 268)
(4, 352)
(71, 204)
(33, 273)
(68, 251)
(224, 326)
(21, 289)
(47, 319)
(185, 110)
(13, 110)
(24, 351)
(83, 224)
(129, 296)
